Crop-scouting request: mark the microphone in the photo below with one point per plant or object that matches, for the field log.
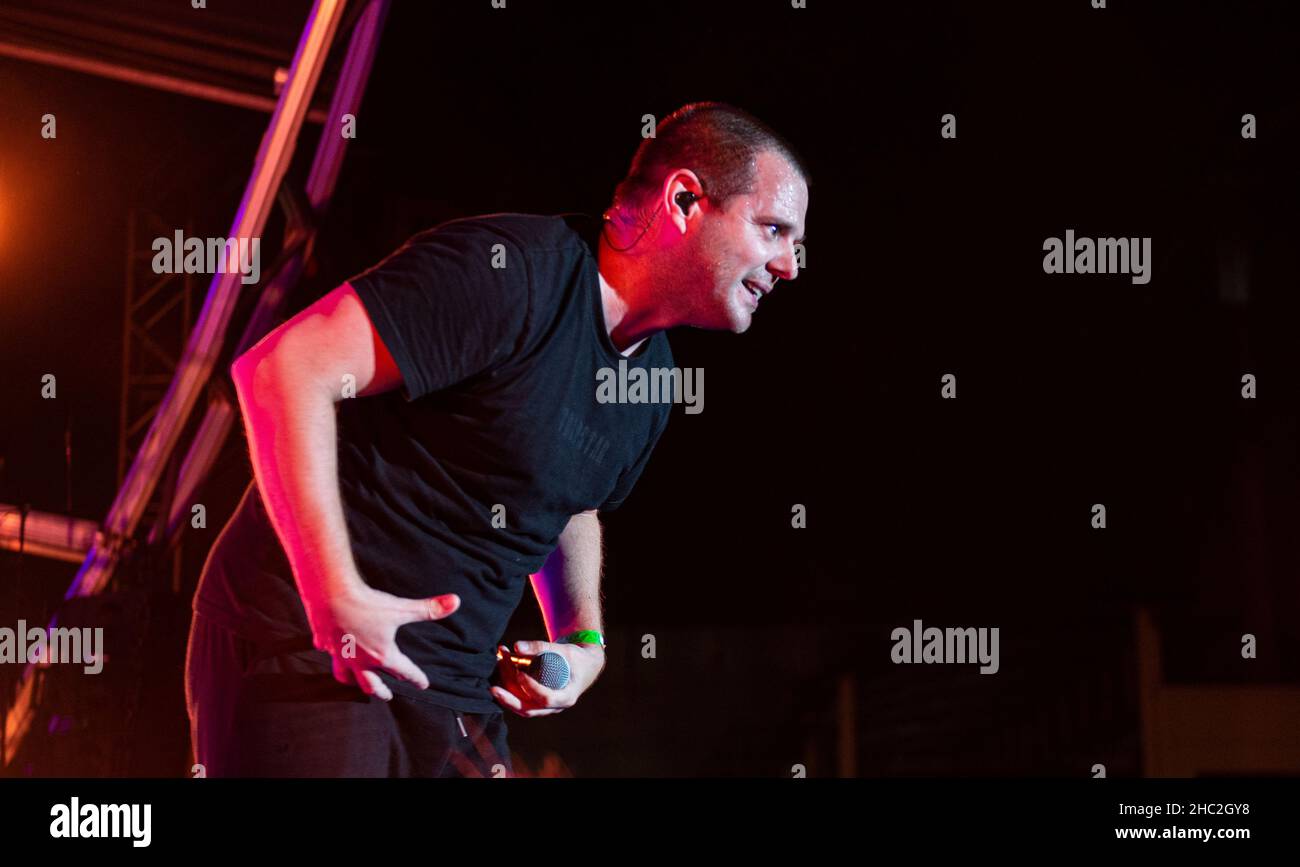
(549, 669)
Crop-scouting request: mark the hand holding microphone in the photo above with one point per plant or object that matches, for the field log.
(548, 668)
(539, 678)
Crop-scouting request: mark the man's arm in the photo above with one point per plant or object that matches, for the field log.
(287, 385)
(568, 585)
(568, 592)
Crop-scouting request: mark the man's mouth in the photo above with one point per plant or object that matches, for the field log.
(755, 292)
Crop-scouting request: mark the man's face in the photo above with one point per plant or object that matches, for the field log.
(748, 241)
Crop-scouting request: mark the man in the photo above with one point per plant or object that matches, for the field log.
(428, 434)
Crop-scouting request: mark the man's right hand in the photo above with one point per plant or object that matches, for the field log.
(358, 629)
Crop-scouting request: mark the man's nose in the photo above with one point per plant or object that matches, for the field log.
(786, 267)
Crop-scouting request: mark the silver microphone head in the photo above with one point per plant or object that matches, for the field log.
(550, 669)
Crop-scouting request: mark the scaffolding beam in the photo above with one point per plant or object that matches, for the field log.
(205, 343)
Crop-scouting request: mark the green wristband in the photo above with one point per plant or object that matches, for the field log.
(583, 636)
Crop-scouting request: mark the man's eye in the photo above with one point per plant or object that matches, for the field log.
(776, 227)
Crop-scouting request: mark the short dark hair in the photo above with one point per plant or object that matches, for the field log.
(717, 141)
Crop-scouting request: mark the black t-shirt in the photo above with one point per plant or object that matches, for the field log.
(461, 481)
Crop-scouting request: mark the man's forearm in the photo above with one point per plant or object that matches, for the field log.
(292, 442)
(568, 585)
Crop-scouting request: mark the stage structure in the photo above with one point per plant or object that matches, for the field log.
(166, 471)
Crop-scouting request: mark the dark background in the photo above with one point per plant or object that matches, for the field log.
(924, 258)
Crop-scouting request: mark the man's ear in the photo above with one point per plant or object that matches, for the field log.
(681, 194)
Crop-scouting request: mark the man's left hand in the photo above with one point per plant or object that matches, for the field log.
(524, 695)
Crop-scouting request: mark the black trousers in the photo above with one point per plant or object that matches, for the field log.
(278, 712)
